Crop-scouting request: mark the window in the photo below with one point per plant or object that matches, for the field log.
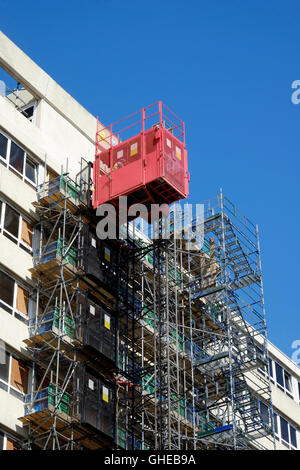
(285, 432)
(264, 412)
(279, 374)
(17, 160)
(14, 376)
(11, 221)
(11, 444)
(16, 157)
(271, 370)
(275, 424)
(4, 368)
(287, 381)
(14, 298)
(284, 380)
(28, 112)
(284, 429)
(8, 442)
(3, 146)
(293, 436)
(15, 227)
(30, 170)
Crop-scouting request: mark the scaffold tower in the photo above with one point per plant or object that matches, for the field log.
(145, 341)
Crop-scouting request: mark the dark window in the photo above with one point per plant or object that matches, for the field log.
(11, 221)
(293, 436)
(6, 288)
(3, 146)
(28, 113)
(284, 429)
(16, 157)
(288, 381)
(1, 440)
(4, 368)
(264, 412)
(279, 374)
(30, 170)
(275, 423)
(270, 367)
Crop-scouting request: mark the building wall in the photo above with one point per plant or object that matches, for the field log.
(62, 129)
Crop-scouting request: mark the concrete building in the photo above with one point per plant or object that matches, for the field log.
(40, 122)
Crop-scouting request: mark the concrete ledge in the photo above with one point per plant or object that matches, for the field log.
(11, 410)
(285, 405)
(13, 332)
(15, 259)
(18, 192)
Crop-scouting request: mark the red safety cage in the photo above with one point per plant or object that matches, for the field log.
(142, 156)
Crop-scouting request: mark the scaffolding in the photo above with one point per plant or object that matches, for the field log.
(142, 343)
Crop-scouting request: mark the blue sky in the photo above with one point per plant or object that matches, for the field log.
(224, 67)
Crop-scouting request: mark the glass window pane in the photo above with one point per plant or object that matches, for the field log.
(30, 170)
(6, 288)
(11, 221)
(279, 374)
(284, 429)
(4, 368)
(288, 381)
(3, 146)
(1, 440)
(293, 436)
(270, 367)
(264, 412)
(16, 157)
(275, 423)
(28, 113)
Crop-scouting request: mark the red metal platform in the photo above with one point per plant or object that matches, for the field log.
(142, 156)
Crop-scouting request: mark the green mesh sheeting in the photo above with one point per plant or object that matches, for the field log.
(174, 276)
(148, 317)
(205, 426)
(64, 405)
(68, 323)
(71, 256)
(122, 438)
(150, 387)
(180, 339)
(71, 188)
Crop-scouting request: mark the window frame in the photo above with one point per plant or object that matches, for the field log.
(13, 308)
(24, 108)
(278, 433)
(27, 155)
(17, 393)
(284, 388)
(262, 404)
(17, 240)
(7, 436)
